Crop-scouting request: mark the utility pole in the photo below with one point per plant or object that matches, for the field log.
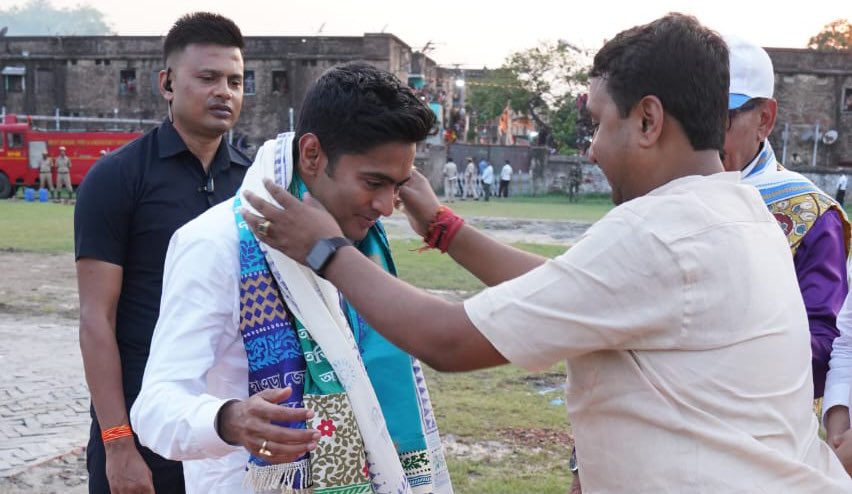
(460, 85)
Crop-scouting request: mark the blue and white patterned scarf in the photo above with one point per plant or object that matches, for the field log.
(326, 348)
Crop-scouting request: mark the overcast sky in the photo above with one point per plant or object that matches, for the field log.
(476, 33)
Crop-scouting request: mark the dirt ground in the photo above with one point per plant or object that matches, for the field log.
(44, 287)
(38, 284)
(39, 290)
(63, 475)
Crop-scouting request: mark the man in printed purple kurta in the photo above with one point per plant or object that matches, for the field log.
(816, 226)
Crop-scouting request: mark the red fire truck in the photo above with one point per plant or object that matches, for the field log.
(22, 145)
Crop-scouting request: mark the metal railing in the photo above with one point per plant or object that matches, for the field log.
(58, 119)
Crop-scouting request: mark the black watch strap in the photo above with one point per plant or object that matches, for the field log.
(323, 251)
(338, 242)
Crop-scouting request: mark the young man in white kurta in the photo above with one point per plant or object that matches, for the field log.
(199, 363)
(201, 400)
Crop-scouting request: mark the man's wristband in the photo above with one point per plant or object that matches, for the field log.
(116, 432)
(442, 229)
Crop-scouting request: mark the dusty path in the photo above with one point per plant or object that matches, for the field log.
(44, 402)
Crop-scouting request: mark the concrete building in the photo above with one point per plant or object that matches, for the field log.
(813, 88)
(116, 76)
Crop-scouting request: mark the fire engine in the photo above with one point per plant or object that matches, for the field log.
(22, 145)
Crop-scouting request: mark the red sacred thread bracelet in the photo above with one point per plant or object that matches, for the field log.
(116, 432)
(442, 229)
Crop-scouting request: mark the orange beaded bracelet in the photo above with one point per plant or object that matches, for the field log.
(116, 432)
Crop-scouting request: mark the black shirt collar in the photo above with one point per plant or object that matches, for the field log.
(170, 144)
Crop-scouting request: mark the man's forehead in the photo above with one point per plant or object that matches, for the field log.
(597, 92)
(391, 176)
(177, 55)
(596, 84)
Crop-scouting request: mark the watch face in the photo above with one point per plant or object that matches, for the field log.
(319, 255)
(322, 252)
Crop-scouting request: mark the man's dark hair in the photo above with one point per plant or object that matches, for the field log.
(679, 61)
(355, 107)
(202, 28)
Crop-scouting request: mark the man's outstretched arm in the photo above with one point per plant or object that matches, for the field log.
(434, 330)
(491, 261)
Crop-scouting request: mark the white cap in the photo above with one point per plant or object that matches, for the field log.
(752, 75)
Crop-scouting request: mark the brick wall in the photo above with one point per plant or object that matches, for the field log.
(810, 87)
(90, 75)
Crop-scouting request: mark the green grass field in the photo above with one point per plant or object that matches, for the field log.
(549, 207)
(434, 270)
(49, 228)
(523, 433)
(36, 227)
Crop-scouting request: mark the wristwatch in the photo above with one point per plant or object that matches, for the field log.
(322, 252)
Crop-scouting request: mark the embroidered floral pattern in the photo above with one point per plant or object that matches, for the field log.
(339, 459)
(417, 467)
(798, 214)
(326, 428)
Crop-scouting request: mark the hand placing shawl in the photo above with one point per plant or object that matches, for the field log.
(317, 352)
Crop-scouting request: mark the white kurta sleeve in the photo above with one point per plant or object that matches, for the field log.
(838, 383)
(174, 414)
(617, 288)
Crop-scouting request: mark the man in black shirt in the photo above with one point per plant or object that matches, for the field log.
(128, 207)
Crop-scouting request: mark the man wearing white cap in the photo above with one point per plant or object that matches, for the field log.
(815, 225)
